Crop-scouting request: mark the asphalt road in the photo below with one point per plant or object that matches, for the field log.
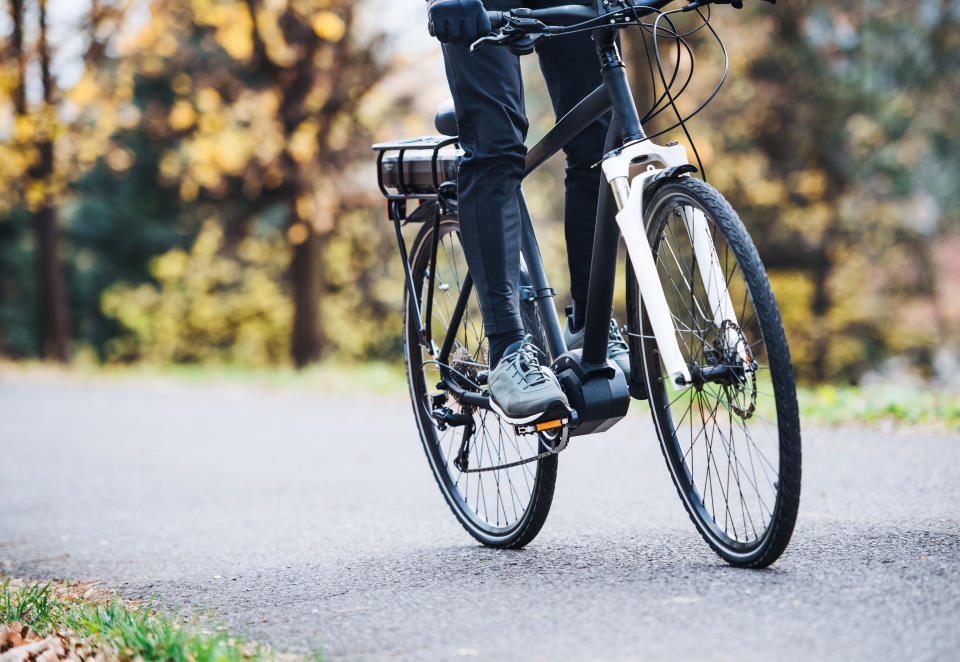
(301, 518)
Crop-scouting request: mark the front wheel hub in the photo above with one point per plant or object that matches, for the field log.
(729, 364)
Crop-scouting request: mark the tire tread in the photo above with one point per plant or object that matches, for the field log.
(788, 498)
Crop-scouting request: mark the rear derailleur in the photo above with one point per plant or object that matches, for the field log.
(446, 417)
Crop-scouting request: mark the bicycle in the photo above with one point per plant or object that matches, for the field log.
(707, 346)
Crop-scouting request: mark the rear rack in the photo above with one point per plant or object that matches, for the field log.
(405, 172)
(420, 177)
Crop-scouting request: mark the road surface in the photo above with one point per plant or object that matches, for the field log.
(306, 519)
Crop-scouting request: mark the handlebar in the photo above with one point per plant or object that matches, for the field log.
(577, 13)
(567, 14)
(509, 25)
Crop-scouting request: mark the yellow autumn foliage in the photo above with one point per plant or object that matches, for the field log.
(182, 115)
(328, 26)
(208, 306)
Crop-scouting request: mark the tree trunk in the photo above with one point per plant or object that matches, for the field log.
(20, 92)
(54, 316)
(821, 269)
(305, 277)
(54, 319)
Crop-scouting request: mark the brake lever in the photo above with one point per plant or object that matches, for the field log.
(497, 39)
(516, 28)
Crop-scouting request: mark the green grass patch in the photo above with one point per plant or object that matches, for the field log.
(329, 377)
(32, 605)
(880, 403)
(359, 379)
(125, 631)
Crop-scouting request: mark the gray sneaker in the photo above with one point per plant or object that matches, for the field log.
(617, 348)
(522, 390)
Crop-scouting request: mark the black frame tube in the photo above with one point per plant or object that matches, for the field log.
(603, 271)
(443, 358)
(625, 127)
(537, 275)
(591, 108)
(396, 217)
(427, 338)
(615, 81)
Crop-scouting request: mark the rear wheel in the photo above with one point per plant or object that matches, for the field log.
(731, 441)
(500, 507)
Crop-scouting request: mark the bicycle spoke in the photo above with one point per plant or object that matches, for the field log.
(725, 432)
(496, 499)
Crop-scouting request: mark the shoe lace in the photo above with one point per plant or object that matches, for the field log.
(526, 363)
(617, 345)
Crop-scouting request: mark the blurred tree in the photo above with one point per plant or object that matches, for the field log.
(831, 140)
(120, 220)
(44, 152)
(263, 107)
(35, 132)
(250, 120)
(208, 307)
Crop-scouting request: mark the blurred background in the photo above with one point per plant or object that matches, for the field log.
(190, 182)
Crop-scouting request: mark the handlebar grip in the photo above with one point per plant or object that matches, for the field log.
(497, 20)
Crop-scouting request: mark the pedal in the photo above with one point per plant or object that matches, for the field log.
(554, 432)
(533, 428)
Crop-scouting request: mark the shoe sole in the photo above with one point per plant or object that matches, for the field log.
(514, 420)
(555, 411)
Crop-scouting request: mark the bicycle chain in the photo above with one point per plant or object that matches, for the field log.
(564, 440)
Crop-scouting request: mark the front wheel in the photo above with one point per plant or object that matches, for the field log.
(731, 441)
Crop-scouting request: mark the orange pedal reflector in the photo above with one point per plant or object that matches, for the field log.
(549, 425)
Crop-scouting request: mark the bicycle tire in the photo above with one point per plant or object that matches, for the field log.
(759, 336)
(524, 527)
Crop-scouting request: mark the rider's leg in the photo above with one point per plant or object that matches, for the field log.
(488, 96)
(572, 71)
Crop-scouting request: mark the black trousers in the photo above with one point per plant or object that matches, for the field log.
(488, 96)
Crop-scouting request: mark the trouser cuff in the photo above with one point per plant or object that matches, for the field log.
(511, 325)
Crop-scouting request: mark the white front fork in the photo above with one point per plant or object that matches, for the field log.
(629, 197)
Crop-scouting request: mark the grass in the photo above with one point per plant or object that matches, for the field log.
(880, 404)
(31, 605)
(124, 631)
(329, 377)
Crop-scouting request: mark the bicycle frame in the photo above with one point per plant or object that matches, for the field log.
(641, 178)
(619, 211)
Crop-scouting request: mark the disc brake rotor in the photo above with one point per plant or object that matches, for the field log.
(742, 396)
